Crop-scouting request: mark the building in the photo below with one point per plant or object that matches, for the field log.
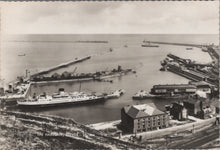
(2, 92)
(193, 107)
(198, 108)
(178, 111)
(173, 89)
(141, 118)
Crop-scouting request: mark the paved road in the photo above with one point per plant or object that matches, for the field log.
(198, 139)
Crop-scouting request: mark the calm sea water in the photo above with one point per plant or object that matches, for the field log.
(43, 51)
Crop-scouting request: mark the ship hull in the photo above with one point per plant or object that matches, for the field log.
(31, 105)
(142, 97)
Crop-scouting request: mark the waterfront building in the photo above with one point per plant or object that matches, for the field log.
(173, 89)
(141, 118)
(178, 111)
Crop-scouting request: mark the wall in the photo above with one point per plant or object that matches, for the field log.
(172, 130)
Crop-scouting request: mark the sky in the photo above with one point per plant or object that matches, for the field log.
(190, 17)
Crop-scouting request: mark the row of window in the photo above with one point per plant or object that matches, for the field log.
(154, 118)
(149, 125)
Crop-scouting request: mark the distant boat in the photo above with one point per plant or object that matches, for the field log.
(110, 49)
(189, 48)
(148, 44)
(125, 45)
(21, 54)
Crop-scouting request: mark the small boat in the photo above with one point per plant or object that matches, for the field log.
(115, 94)
(110, 49)
(140, 95)
(125, 45)
(162, 69)
(21, 54)
(189, 48)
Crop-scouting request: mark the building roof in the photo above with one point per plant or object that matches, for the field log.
(172, 86)
(201, 84)
(143, 110)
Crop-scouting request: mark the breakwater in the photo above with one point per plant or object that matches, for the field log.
(61, 66)
(179, 44)
(188, 62)
(91, 41)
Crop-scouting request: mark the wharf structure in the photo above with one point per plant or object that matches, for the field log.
(77, 60)
(191, 70)
(179, 44)
(173, 89)
(68, 76)
(191, 74)
(141, 118)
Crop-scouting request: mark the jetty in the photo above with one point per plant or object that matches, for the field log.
(179, 44)
(188, 62)
(77, 60)
(191, 70)
(70, 76)
(91, 41)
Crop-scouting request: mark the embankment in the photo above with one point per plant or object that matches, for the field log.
(180, 128)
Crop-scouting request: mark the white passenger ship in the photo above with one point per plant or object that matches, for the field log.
(61, 97)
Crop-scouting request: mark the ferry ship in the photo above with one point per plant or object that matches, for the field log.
(61, 97)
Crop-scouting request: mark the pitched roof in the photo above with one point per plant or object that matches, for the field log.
(143, 110)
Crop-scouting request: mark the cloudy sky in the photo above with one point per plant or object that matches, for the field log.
(110, 17)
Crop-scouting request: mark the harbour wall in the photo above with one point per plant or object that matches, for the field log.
(61, 66)
(179, 44)
(181, 128)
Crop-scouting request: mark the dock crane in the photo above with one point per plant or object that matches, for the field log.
(74, 70)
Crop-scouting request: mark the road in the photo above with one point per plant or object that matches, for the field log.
(197, 139)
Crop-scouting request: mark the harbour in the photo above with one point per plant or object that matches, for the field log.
(101, 59)
(99, 75)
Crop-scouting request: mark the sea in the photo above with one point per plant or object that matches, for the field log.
(32, 53)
